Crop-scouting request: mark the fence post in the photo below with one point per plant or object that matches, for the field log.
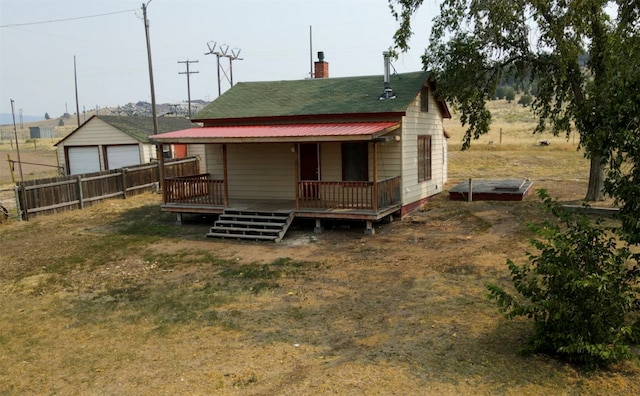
(80, 198)
(18, 203)
(123, 175)
(470, 194)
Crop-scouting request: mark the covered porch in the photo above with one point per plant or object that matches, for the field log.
(349, 200)
(344, 171)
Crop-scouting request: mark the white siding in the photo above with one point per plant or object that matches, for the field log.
(148, 153)
(414, 124)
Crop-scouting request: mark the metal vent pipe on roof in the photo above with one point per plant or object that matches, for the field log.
(388, 92)
(387, 69)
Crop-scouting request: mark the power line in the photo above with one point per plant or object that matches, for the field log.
(65, 19)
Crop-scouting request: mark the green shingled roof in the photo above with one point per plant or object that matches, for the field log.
(344, 95)
(140, 128)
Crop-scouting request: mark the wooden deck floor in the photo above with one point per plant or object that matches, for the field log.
(285, 206)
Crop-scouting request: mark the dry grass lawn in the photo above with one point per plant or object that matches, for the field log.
(116, 300)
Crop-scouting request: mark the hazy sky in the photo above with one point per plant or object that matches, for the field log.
(108, 40)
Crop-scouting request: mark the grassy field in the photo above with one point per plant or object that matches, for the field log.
(116, 299)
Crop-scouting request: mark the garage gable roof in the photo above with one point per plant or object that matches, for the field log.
(138, 127)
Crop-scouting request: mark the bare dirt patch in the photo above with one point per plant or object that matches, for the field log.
(116, 299)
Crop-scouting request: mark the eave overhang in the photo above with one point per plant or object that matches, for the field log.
(282, 133)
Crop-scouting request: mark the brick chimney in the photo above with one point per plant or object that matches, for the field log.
(321, 67)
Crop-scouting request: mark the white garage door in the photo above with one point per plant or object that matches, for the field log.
(83, 160)
(121, 156)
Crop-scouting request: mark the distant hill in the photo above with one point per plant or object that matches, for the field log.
(7, 118)
(140, 108)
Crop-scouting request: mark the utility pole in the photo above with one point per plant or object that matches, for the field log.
(223, 52)
(75, 77)
(159, 151)
(21, 122)
(25, 214)
(187, 62)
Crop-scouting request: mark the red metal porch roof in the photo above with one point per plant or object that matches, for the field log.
(278, 133)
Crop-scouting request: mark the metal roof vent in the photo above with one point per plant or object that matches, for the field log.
(388, 92)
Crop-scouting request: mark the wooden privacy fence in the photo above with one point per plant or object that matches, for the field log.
(57, 194)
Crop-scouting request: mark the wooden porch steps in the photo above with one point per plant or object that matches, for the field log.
(254, 225)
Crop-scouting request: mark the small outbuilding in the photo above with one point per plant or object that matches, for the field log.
(110, 142)
(41, 132)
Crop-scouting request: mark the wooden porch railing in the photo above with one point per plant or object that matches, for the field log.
(348, 194)
(359, 195)
(194, 189)
(388, 192)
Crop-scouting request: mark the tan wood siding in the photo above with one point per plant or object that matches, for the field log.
(261, 171)
(331, 162)
(389, 159)
(214, 162)
(198, 151)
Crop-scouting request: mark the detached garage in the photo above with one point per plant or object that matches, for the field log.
(112, 142)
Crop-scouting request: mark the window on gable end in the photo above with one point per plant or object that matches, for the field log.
(424, 98)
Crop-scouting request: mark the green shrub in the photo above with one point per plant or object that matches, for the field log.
(580, 289)
(525, 100)
(501, 91)
(510, 94)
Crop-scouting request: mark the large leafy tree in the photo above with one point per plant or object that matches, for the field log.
(620, 98)
(581, 289)
(477, 43)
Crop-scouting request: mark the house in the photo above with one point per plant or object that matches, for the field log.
(110, 142)
(358, 148)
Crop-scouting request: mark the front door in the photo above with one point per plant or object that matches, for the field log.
(309, 169)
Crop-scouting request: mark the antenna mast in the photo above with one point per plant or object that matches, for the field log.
(310, 52)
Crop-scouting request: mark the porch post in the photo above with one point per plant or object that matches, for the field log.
(295, 149)
(224, 175)
(375, 177)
